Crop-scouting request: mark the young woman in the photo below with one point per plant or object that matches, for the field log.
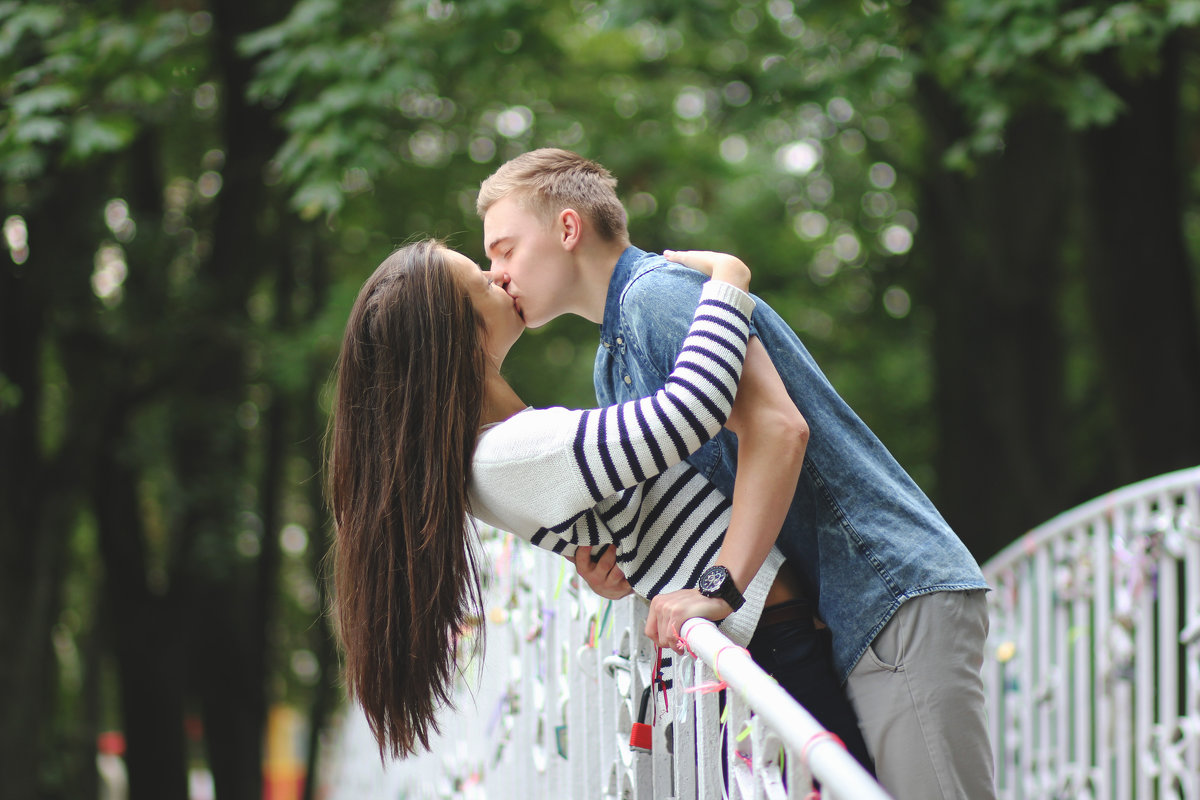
(426, 433)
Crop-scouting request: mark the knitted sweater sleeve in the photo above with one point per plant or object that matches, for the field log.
(561, 478)
(622, 445)
(543, 468)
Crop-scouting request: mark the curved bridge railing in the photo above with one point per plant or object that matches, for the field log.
(548, 712)
(1093, 663)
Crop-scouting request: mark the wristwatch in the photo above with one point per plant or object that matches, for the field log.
(717, 582)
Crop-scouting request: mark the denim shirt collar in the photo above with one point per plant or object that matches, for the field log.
(622, 272)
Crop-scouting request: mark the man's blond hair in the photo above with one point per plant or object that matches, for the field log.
(548, 180)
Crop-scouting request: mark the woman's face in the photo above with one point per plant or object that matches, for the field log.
(502, 322)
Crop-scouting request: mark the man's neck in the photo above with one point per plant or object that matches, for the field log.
(596, 267)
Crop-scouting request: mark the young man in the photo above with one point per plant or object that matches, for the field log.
(902, 596)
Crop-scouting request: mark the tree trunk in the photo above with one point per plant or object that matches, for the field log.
(30, 555)
(235, 604)
(328, 688)
(993, 243)
(39, 490)
(1139, 277)
(148, 632)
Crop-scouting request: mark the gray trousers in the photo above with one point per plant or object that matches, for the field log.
(919, 698)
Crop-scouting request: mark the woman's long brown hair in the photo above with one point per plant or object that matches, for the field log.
(407, 409)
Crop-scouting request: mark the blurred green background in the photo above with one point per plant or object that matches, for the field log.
(982, 216)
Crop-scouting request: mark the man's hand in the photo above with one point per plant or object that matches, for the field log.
(603, 575)
(669, 611)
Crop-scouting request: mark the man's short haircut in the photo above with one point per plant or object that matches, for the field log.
(548, 180)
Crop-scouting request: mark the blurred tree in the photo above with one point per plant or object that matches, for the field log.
(808, 136)
(1052, 186)
(980, 216)
(157, 264)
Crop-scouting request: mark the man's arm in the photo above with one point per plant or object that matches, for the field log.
(772, 439)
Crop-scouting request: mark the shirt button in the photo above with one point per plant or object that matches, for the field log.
(620, 340)
(627, 379)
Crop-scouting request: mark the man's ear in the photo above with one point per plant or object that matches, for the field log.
(570, 228)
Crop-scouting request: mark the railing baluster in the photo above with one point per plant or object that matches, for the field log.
(1116, 716)
(1165, 673)
(1082, 633)
(708, 735)
(1144, 663)
(1189, 528)
(1091, 674)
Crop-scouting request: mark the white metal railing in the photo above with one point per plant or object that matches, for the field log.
(783, 724)
(547, 713)
(1093, 661)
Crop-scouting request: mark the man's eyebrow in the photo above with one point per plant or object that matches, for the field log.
(494, 243)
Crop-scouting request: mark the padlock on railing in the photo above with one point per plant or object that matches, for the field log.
(641, 735)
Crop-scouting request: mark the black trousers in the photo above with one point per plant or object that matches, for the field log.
(800, 657)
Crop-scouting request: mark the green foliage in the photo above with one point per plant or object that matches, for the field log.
(392, 120)
(997, 57)
(785, 132)
(82, 80)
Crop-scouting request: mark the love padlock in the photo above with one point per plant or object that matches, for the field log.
(641, 735)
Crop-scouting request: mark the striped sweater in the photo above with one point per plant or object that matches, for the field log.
(561, 478)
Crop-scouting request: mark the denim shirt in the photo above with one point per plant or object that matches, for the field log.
(860, 534)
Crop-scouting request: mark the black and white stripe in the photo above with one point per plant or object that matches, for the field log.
(666, 521)
(618, 475)
(619, 446)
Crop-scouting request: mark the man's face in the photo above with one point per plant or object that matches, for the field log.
(528, 252)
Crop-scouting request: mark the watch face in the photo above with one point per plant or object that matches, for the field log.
(711, 580)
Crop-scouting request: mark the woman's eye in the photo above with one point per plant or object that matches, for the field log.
(490, 282)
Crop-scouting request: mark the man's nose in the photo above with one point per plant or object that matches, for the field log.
(498, 276)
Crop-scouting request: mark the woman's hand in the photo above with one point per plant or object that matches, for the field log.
(719, 266)
(669, 611)
(603, 575)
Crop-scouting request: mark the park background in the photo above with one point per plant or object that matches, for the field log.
(982, 216)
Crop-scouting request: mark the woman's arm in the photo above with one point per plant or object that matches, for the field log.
(600, 569)
(622, 445)
(772, 439)
(541, 468)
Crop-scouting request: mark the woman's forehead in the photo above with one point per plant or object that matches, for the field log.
(461, 265)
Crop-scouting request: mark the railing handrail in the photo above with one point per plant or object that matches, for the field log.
(830, 763)
(1092, 670)
(1018, 549)
(1091, 673)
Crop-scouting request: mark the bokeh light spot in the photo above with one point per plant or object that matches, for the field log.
(896, 239)
(689, 103)
(811, 225)
(734, 149)
(512, 122)
(882, 175)
(798, 158)
(16, 236)
(896, 302)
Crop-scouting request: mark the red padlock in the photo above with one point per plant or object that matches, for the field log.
(641, 736)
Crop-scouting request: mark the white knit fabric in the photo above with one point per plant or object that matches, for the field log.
(561, 477)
